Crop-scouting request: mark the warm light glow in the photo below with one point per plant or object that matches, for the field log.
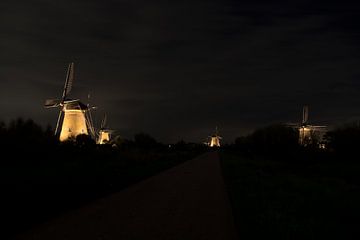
(215, 141)
(104, 137)
(74, 124)
(305, 135)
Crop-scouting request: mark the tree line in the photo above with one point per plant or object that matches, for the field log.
(272, 139)
(282, 139)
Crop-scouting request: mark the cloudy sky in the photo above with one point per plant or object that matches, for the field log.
(176, 69)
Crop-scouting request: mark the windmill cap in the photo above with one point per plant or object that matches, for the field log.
(75, 105)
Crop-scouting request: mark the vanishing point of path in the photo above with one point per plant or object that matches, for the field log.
(187, 202)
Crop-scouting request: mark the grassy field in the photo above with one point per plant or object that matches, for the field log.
(293, 199)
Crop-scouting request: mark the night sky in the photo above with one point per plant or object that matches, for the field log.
(176, 69)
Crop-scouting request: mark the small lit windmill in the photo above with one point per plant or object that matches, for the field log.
(215, 139)
(76, 119)
(308, 132)
(104, 132)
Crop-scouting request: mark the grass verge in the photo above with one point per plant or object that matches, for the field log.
(293, 200)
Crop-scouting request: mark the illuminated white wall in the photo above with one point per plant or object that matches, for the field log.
(73, 125)
(215, 142)
(104, 137)
(305, 135)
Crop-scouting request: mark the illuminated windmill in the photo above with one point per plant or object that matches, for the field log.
(215, 139)
(76, 119)
(308, 133)
(104, 133)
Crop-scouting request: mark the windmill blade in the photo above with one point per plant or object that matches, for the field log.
(68, 81)
(103, 122)
(70, 78)
(50, 103)
(320, 127)
(305, 114)
(88, 99)
(90, 124)
(58, 122)
(290, 124)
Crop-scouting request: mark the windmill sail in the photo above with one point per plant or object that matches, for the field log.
(103, 122)
(58, 123)
(69, 81)
(305, 114)
(49, 103)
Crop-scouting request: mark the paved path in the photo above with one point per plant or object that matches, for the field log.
(187, 202)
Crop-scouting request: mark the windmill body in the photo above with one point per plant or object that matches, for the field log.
(305, 135)
(74, 118)
(74, 122)
(104, 137)
(215, 139)
(104, 133)
(308, 134)
(305, 130)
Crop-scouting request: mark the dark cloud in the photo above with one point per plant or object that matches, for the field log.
(177, 69)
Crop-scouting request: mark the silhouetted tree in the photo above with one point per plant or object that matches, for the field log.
(344, 140)
(243, 144)
(26, 133)
(180, 145)
(118, 141)
(85, 141)
(275, 139)
(144, 140)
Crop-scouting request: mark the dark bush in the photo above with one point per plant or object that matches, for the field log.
(275, 139)
(344, 140)
(143, 140)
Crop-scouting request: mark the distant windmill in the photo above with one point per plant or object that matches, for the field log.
(215, 139)
(308, 132)
(76, 119)
(104, 132)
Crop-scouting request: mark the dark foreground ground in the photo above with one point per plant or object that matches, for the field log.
(303, 197)
(40, 183)
(186, 202)
(293, 199)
